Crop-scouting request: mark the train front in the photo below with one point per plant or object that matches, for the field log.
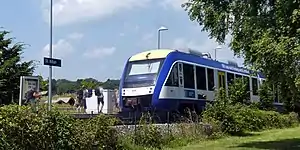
(138, 82)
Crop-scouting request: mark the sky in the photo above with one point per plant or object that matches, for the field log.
(95, 38)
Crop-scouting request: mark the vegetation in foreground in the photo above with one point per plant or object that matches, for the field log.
(279, 139)
(229, 115)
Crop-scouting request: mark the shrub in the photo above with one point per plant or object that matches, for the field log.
(237, 118)
(266, 97)
(237, 92)
(22, 129)
(96, 132)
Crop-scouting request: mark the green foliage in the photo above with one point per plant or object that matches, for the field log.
(266, 33)
(111, 84)
(43, 84)
(11, 68)
(90, 84)
(237, 92)
(21, 129)
(266, 97)
(63, 86)
(149, 136)
(238, 118)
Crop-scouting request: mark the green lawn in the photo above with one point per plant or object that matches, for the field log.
(284, 139)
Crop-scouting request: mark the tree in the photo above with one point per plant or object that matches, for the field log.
(266, 97)
(89, 83)
(11, 68)
(43, 84)
(265, 32)
(111, 84)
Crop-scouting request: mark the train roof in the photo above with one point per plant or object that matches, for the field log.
(190, 57)
(152, 54)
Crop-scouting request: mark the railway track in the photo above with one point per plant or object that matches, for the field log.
(133, 120)
(122, 120)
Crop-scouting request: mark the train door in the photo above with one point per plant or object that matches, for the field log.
(221, 79)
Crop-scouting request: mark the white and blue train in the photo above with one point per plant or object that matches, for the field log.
(171, 80)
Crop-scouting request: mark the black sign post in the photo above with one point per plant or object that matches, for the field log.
(52, 62)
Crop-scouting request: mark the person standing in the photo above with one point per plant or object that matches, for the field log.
(33, 97)
(100, 98)
(116, 97)
(85, 95)
(79, 100)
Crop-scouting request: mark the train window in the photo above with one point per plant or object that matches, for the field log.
(201, 78)
(210, 78)
(238, 76)
(221, 77)
(254, 86)
(230, 78)
(246, 81)
(173, 77)
(276, 93)
(188, 76)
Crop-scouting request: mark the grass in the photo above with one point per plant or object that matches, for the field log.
(278, 139)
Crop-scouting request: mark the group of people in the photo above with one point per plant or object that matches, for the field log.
(33, 97)
(84, 93)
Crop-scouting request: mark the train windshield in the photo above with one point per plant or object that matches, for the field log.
(142, 73)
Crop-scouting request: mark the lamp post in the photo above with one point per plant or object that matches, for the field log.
(158, 38)
(218, 47)
(50, 55)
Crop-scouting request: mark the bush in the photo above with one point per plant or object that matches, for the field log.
(22, 129)
(266, 97)
(237, 92)
(238, 118)
(148, 135)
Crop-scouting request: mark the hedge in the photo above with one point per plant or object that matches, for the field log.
(239, 118)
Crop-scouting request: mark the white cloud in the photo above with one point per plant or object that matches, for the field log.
(71, 11)
(175, 4)
(100, 52)
(60, 49)
(75, 36)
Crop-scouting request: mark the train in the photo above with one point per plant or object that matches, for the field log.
(170, 80)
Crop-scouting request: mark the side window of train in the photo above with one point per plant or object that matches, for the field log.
(210, 78)
(188, 76)
(230, 78)
(201, 78)
(238, 76)
(247, 82)
(254, 86)
(173, 77)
